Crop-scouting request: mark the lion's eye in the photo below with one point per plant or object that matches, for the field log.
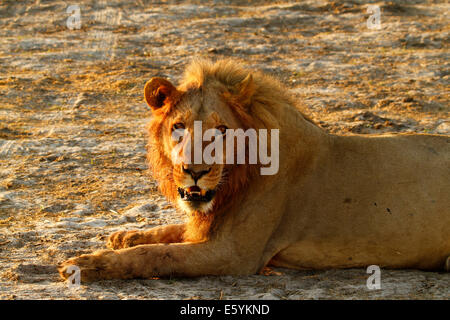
(222, 129)
(177, 125)
(177, 132)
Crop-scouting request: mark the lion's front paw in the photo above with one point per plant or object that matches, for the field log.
(125, 239)
(100, 265)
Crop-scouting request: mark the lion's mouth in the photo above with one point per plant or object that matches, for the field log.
(195, 193)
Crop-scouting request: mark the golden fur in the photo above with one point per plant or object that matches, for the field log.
(336, 201)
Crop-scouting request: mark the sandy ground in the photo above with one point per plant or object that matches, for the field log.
(72, 130)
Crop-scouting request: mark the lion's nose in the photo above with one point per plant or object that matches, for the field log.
(195, 174)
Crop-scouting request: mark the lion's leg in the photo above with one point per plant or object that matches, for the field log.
(172, 233)
(160, 260)
(232, 249)
(447, 264)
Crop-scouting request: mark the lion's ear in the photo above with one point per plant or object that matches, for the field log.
(246, 89)
(158, 92)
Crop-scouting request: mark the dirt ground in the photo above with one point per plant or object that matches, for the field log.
(73, 139)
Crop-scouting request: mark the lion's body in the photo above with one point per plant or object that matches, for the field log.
(372, 200)
(336, 201)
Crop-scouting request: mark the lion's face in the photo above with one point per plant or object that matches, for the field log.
(197, 182)
(175, 128)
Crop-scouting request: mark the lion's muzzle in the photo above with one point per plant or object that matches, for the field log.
(195, 193)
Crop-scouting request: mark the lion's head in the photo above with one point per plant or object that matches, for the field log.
(222, 96)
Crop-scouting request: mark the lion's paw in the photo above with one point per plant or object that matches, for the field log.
(92, 267)
(124, 239)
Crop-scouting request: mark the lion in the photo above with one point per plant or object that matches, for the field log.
(337, 201)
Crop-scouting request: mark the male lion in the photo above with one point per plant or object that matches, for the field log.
(336, 201)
